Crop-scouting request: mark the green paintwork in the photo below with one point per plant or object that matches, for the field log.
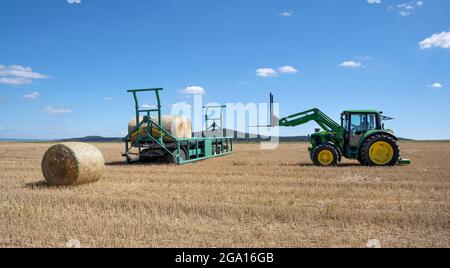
(195, 148)
(310, 115)
(208, 148)
(372, 132)
(370, 111)
(404, 162)
(213, 127)
(333, 133)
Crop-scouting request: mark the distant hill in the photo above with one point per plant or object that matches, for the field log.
(246, 137)
(20, 140)
(93, 139)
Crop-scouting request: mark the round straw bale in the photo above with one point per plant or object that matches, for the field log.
(187, 126)
(174, 124)
(177, 126)
(72, 163)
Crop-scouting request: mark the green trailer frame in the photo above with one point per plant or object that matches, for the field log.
(181, 151)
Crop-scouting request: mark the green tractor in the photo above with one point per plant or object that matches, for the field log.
(361, 136)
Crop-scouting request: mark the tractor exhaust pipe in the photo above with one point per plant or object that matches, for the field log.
(274, 121)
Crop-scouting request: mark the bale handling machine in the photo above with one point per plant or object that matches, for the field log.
(151, 141)
(361, 136)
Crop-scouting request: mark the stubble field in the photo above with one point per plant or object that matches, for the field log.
(252, 198)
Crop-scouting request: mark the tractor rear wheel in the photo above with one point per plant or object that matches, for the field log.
(380, 150)
(325, 155)
(360, 160)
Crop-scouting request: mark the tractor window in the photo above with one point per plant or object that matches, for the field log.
(345, 121)
(372, 121)
(362, 122)
(356, 122)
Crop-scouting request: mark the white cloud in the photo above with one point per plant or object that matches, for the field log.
(18, 75)
(270, 72)
(441, 40)
(56, 111)
(286, 13)
(107, 98)
(193, 90)
(287, 70)
(365, 58)
(182, 104)
(20, 71)
(244, 83)
(33, 95)
(74, 1)
(374, 1)
(266, 72)
(406, 6)
(404, 13)
(15, 81)
(436, 85)
(350, 64)
(406, 9)
(181, 108)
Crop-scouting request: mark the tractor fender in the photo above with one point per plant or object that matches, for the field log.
(335, 147)
(372, 133)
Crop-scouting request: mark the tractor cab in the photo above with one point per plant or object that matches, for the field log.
(357, 123)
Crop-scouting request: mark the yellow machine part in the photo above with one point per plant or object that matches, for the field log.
(325, 157)
(381, 153)
(143, 132)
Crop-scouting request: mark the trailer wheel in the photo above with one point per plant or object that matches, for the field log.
(144, 156)
(380, 150)
(172, 158)
(325, 155)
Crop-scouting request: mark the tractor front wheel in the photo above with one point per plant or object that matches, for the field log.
(325, 155)
(380, 150)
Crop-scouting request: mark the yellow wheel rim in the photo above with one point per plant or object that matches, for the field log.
(381, 153)
(325, 157)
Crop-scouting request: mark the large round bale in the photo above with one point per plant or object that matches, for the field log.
(72, 163)
(187, 126)
(178, 126)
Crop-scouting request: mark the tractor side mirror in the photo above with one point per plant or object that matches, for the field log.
(382, 126)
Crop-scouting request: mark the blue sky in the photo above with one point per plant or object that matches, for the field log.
(65, 67)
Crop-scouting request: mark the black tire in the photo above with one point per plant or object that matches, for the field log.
(360, 159)
(365, 150)
(172, 158)
(321, 148)
(143, 158)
